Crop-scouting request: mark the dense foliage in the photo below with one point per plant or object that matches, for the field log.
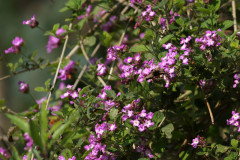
(139, 80)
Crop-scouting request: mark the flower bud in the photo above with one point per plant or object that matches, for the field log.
(23, 87)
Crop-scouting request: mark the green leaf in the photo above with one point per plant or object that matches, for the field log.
(90, 41)
(161, 4)
(142, 159)
(105, 38)
(40, 89)
(234, 143)
(62, 128)
(139, 48)
(55, 27)
(165, 39)
(43, 123)
(35, 133)
(180, 21)
(227, 24)
(149, 34)
(84, 90)
(113, 113)
(214, 5)
(111, 93)
(15, 154)
(167, 130)
(158, 117)
(221, 34)
(221, 149)
(37, 154)
(33, 55)
(19, 122)
(47, 83)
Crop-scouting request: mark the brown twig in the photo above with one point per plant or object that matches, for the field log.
(85, 67)
(87, 58)
(208, 106)
(234, 15)
(72, 52)
(162, 121)
(58, 68)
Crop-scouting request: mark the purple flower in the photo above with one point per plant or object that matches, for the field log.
(148, 153)
(55, 108)
(25, 157)
(52, 43)
(235, 115)
(148, 123)
(67, 71)
(195, 142)
(40, 101)
(135, 122)
(29, 141)
(3, 152)
(32, 22)
(128, 60)
(102, 69)
(23, 87)
(112, 127)
(60, 32)
(141, 127)
(61, 158)
(17, 43)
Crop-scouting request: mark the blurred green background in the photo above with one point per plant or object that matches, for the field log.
(12, 14)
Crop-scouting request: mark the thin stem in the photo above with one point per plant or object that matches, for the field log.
(59, 64)
(72, 52)
(208, 106)
(234, 15)
(87, 58)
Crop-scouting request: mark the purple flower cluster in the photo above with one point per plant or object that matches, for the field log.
(88, 11)
(237, 80)
(54, 41)
(108, 103)
(144, 149)
(234, 120)
(109, 25)
(141, 120)
(17, 43)
(63, 158)
(186, 49)
(173, 15)
(135, 1)
(198, 141)
(112, 52)
(71, 94)
(101, 69)
(32, 22)
(134, 66)
(3, 152)
(148, 15)
(210, 39)
(23, 87)
(29, 141)
(98, 149)
(67, 71)
(163, 21)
